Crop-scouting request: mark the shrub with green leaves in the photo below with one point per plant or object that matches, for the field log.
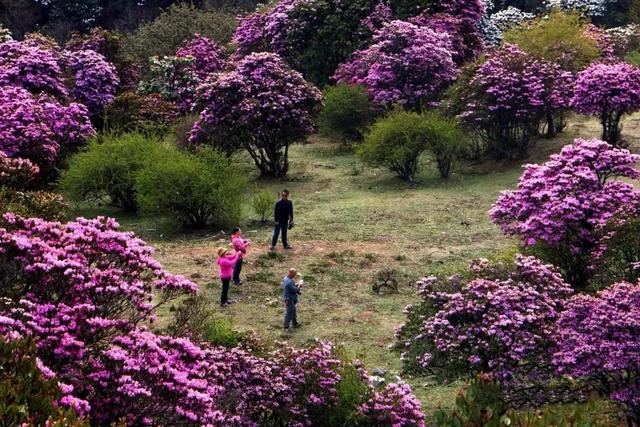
(346, 113)
(262, 204)
(26, 397)
(108, 168)
(178, 23)
(33, 204)
(205, 188)
(398, 140)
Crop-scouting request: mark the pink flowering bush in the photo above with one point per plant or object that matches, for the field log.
(95, 79)
(508, 97)
(406, 64)
(16, 173)
(608, 91)
(466, 41)
(560, 206)
(32, 67)
(312, 36)
(207, 56)
(261, 106)
(598, 337)
(40, 129)
(494, 323)
(395, 405)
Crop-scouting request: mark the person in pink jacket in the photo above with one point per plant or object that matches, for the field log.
(240, 245)
(226, 262)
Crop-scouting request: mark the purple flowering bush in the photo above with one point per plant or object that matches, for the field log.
(598, 336)
(261, 106)
(509, 95)
(395, 405)
(561, 205)
(95, 80)
(406, 64)
(16, 172)
(207, 56)
(608, 91)
(39, 128)
(495, 323)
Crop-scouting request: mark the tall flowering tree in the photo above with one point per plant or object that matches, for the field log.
(608, 91)
(495, 323)
(560, 206)
(509, 95)
(598, 337)
(261, 106)
(406, 64)
(207, 56)
(39, 128)
(95, 80)
(312, 36)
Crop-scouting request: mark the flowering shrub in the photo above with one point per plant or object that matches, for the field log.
(95, 79)
(33, 204)
(16, 173)
(312, 36)
(38, 128)
(130, 111)
(466, 41)
(509, 95)
(30, 65)
(560, 205)
(492, 324)
(173, 79)
(599, 337)
(407, 64)
(207, 56)
(394, 405)
(261, 106)
(609, 92)
(592, 8)
(509, 17)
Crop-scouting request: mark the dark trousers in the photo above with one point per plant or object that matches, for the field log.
(224, 297)
(290, 314)
(280, 226)
(236, 271)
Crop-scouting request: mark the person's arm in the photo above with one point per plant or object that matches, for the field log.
(275, 213)
(290, 211)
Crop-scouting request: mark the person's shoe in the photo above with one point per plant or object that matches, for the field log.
(223, 305)
(297, 325)
(288, 247)
(272, 248)
(285, 330)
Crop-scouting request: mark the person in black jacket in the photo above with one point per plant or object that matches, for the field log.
(283, 219)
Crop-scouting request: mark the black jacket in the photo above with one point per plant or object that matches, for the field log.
(283, 211)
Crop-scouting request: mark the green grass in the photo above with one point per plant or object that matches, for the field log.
(351, 221)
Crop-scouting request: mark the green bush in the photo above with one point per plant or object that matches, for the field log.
(346, 113)
(132, 112)
(195, 189)
(262, 204)
(220, 332)
(26, 398)
(178, 23)
(33, 204)
(398, 140)
(108, 168)
(633, 58)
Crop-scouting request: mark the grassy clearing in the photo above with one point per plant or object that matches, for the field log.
(351, 222)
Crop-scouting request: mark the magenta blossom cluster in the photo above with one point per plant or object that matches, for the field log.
(598, 336)
(608, 91)
(31, 66)
(466, 41)
(16, 173)
(39, 128)
(510, 94)
(564, 202)
(406, 64)
(95, 80)
(494, 324)
(206, 55)
(261, 105)
(395, 405)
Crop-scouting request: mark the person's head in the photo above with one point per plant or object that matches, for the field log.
(222, 252)
(292, 273)
(235, 231)
(285, 194)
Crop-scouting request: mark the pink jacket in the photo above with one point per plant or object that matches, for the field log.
(239, 245)
(226, 264)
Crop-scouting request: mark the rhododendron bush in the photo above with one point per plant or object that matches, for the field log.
(495, 323)
(508, 97)
(407, 64)
(608, 91)
(599, 336)
(95, 80)
(261, 106)
(561, 206)
(39, 128)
